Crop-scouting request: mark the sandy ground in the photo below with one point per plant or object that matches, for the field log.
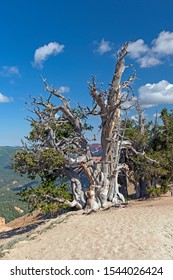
(143, 230)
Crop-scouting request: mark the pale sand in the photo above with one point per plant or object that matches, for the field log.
(143, 230)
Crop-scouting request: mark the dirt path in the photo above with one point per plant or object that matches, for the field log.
(143, 230)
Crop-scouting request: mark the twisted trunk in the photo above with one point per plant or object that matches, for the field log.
(103, 176)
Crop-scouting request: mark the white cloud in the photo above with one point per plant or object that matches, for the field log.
(7, 71)
(149, 56)
(143, 54)
(134, 118)
(43, 53)
(103, 47)
(5, 99)
(155, 94)
(129, 104)
(138, 48)
(149, 60)
(64, 89)
(163, 44)
(157, 115)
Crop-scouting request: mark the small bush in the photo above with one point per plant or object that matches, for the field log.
(158, 191)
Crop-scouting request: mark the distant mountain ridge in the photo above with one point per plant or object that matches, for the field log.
(96, 149)
(10, 184)
(6, 153)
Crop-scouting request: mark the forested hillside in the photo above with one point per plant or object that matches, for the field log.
(10, 183)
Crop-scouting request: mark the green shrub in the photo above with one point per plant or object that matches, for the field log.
(158, 191)
(44, 197)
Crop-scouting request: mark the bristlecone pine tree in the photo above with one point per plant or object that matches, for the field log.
(58, 147)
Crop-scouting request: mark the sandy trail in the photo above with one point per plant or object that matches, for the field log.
(143, 230)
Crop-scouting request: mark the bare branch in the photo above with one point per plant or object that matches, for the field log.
(97, 98)
(143, 154)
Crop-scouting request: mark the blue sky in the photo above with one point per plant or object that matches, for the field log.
(68, 41)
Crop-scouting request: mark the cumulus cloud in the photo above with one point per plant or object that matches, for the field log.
(103, 47)
(64, 89)
(163, 44)
(149, 60)
(149, 56)
(155, 94)
(138, 48)
(43, 53)
(5, 99)
(8, 71)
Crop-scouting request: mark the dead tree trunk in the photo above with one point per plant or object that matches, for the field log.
(110, 103)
